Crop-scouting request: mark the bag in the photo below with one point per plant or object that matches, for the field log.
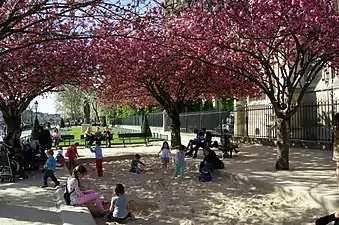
(67, 195)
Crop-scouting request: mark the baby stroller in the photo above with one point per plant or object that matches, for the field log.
(9, 164)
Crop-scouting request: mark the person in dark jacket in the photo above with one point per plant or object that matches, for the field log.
(328, 219)
(211, 160)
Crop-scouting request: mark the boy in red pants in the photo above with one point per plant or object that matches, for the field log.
(98, 158)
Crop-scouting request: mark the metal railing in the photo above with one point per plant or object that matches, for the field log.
(311, 122)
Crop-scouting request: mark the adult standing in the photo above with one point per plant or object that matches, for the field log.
(56, 137)
(335, 129)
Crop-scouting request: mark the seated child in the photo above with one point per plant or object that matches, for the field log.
(135, 164)
(119, 210)
(60, 159)
(205, 175)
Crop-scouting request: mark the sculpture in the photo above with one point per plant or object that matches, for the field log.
(87, 112)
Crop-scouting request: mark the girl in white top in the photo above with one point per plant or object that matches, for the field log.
(79, 197)
(165, 155)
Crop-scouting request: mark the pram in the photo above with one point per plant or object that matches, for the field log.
(6, 171)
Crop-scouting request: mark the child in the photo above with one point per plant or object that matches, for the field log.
(205, 175)
(98, 157)
(165, 155)
(119, 211)
(72, 154)
(60, 159)
(49, 169)
(135, 164)
(180, 163)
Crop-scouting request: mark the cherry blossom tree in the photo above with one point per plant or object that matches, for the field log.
(279, 45)
(151, 69)
(35, 70)
(29, 22)
(34, 61)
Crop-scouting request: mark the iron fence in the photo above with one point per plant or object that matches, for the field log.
(311, 122)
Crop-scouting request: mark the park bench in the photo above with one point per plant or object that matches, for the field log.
(67, 138)
(129, 136)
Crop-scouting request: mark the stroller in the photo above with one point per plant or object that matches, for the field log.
(9, 164)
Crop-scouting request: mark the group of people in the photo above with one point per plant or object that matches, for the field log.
(98, 136)
(74, 195)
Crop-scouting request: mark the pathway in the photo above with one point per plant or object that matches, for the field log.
(25, 203)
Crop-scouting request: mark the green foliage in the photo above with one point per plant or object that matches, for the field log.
(145, 126)
(125, 111)
(208, 105)
(62, 123)
(193, 106)
(226, 104)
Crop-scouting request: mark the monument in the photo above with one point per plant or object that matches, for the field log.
(87, 115)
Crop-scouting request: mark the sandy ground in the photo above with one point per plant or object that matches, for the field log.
(159, 199)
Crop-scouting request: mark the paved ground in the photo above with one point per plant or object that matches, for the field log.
(25, 203)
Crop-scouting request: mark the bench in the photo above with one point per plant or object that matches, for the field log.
(69, 138)
(82, 137)
(133, 135)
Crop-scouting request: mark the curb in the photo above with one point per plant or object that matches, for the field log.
(71, 215)
(322, 198)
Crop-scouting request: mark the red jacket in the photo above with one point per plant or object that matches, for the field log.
(71, 152)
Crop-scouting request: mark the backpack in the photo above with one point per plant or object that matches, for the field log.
(67, 195)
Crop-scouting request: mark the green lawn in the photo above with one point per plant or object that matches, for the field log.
(77, 132)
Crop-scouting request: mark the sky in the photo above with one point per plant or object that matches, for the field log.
(46, 104)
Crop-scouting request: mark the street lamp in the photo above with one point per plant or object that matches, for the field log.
(36, 109)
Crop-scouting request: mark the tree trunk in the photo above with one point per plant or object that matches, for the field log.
(283, 144)
(13, 123)
(175, 130)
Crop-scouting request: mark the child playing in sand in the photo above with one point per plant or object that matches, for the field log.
(165, 156)
(119, 211)
(60, 159)
(98, 157)
(49, 169)
(135, 168)
(180, 163)
(205, 175)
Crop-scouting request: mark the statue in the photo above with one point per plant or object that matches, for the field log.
(87, 112)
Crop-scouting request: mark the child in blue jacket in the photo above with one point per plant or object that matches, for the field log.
(49, 169)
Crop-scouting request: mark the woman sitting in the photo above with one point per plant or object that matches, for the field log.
(89, 137)
(211, 161)
(79, 197)
(98, 135)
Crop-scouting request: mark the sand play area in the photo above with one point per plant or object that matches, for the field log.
(161, 200)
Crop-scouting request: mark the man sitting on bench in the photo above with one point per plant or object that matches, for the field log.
(198, 142)
(227, 145)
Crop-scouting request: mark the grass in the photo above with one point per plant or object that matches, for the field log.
(77, 132)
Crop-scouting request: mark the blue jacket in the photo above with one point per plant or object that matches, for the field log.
(51, 163)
